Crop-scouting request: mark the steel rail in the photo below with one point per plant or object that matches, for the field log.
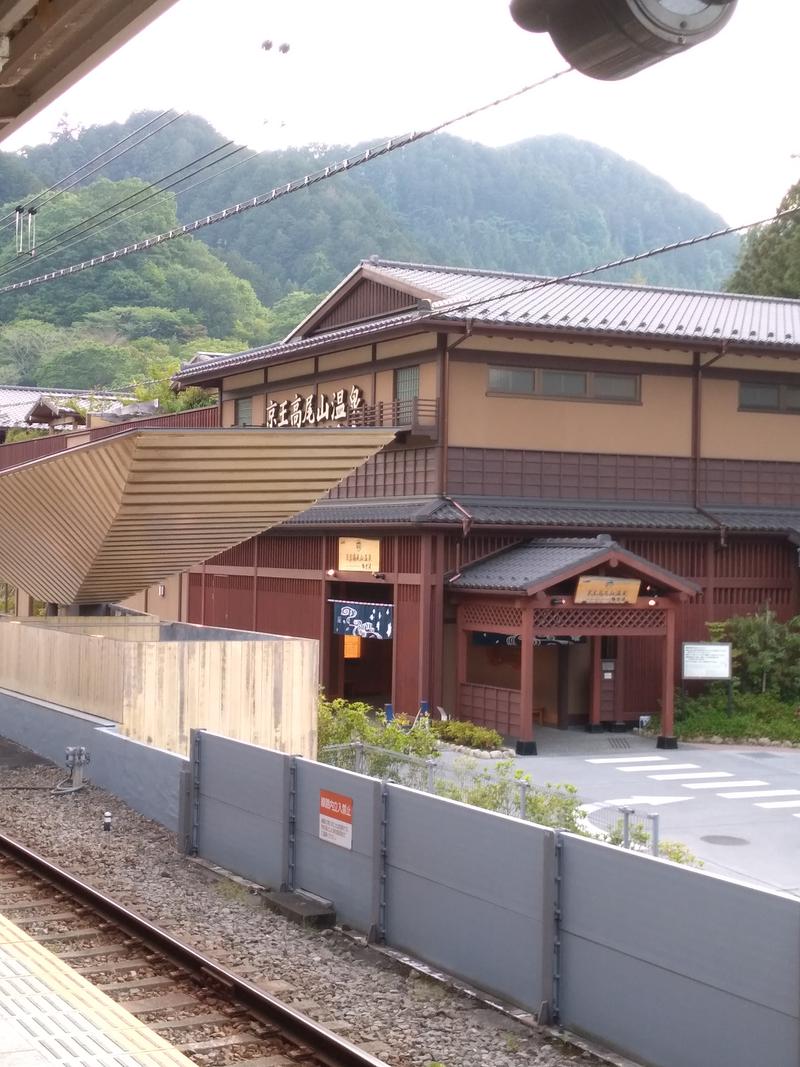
(331, 1050)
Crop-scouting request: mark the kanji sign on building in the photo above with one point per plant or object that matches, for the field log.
(336, 818)
(315, 408)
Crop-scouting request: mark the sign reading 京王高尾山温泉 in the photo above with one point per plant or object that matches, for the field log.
(597, 589)
(358, 554)
(705, 661)
(336, 818)
(362, 620)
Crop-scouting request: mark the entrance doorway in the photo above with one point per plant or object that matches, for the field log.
(361, 665)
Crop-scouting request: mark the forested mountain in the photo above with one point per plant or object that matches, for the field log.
(770, 263)
(548, 205)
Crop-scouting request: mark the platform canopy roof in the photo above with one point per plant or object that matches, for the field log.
(48, 45)
(103, 521)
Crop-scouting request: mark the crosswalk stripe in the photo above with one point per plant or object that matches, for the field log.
(628, 759)
(728, 785)
(762, 793)
(690, 774)
(778, 804)
(671, 766)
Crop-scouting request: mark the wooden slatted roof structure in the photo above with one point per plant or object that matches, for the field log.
(103, 521)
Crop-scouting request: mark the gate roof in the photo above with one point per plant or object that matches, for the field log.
(542, 563)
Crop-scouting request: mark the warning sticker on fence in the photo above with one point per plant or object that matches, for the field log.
(336, 818)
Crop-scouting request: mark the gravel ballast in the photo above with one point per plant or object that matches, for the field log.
(399, 1015)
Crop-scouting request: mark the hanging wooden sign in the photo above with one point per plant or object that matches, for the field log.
(597, 589)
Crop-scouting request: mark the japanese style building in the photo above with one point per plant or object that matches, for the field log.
(582, 475)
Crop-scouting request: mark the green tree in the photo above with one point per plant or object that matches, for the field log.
(766, 652)
(770, 258)
(24, 346)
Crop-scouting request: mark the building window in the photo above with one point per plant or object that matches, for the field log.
(406, 392)
(768, 396)
(565, 384)
(243, 411)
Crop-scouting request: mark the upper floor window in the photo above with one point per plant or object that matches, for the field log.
(243, 411)
(568, 384)
(406, 391)
(769, 396)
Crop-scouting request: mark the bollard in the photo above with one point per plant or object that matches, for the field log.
(359, 760)
(626, 826)
(431, 765)
(388, 712)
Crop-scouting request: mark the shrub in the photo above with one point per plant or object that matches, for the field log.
(341, 722)
(755, 715)
(766, 652)
(468, 734)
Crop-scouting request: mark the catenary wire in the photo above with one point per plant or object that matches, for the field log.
(88, 227)
(392, 145)
(623, 261)
(106, 223)
(79, 177)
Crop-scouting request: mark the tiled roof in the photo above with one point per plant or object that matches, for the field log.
(581, 306)
(594, 306)
(506, 512)
(755, 519)
(541, 562)
(17, 401)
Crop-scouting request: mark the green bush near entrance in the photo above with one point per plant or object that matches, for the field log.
(342, 721)
(469, 734)
(755, 717)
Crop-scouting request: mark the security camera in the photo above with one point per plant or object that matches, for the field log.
(612, 39)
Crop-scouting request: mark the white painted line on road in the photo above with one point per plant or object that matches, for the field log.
(624, 802)
(691, 774)
(762, 793)
(728, 785)
(779, 804)
(672, 767)
(628, 759)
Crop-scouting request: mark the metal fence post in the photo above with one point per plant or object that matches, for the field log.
(359, 763)
(626, 826)
(555, 1009)
(655, 843)
(194, 836)
(523, 798)
(383, 862)
(292, 812)
(431, 765)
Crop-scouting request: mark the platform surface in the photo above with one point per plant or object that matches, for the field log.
(51, 1015)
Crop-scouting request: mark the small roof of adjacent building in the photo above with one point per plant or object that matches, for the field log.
(438, 297)
(545, 562)
(29, 407)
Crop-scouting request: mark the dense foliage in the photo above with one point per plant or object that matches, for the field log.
(469, 734)
(756, 717)
(770, 261)
(766, 652)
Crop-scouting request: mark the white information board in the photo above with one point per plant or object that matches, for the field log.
(706, 661)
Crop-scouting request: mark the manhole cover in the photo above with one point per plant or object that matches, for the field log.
(724, 839)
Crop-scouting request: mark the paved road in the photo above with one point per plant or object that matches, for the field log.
(735, 807)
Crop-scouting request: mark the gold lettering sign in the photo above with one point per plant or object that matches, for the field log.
(595, 589)
(356, 554)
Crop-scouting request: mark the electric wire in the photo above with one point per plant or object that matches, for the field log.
(106, 223)
(623, 261)
(55, 187)
(88, 227)
(308, 180)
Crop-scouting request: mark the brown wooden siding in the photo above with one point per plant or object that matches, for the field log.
(568, 475)
(397, 472)
(367, 300)
(755, 482)
(289, 606)
(407, 651)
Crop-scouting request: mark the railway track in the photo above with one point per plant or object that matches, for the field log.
(213, 1016)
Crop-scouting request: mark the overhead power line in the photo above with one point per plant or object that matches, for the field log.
(392, 145)
(80, 231)
(59, 187)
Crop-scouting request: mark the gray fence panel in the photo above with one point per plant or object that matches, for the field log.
(243, 798)
(471, 892)
(348, 877)
(673, 966)
(146, 778)
(45, 729)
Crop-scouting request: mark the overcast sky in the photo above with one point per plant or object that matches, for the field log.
(719, 122)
